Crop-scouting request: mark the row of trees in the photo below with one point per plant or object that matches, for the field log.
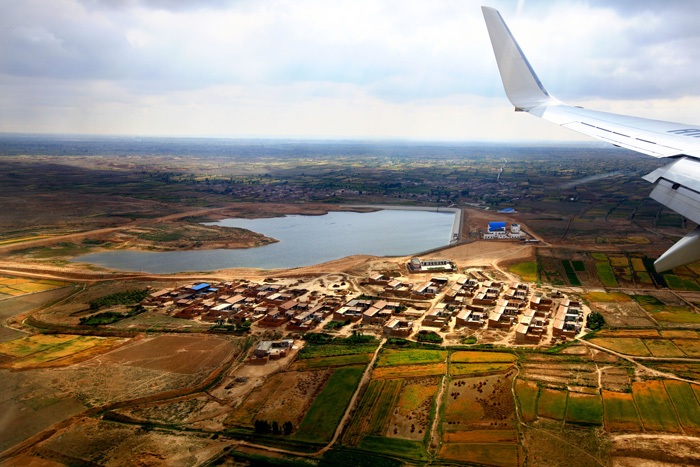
(265, 427)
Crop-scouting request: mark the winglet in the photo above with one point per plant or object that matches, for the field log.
(522, 85)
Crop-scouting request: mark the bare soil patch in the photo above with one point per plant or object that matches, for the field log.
(411, 417)
(177, 354)
(484, 402)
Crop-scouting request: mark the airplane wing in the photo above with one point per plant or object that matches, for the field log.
(677, 184)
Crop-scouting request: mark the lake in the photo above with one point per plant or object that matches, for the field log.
(303, 241)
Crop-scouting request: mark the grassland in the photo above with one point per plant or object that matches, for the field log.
(332, 350)
(329, 406)
(526, 270)
(625, 345)
(390, 357)
(620, 412)
(690, 347)
(552, 403)
(584, 409)
(655, 407)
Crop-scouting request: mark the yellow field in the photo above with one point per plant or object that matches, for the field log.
(468, 356)
(409, 371)
(53, 350)
(19, 286)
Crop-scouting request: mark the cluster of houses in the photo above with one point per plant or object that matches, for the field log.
(267, 304)
(475, 302)
(498, 231)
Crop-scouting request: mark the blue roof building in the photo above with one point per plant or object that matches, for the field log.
(497, 226)
(200, 287)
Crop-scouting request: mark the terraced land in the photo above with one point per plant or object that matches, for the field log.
(624, 345)
(375, 408)
(40, 351)
(552, 403)
(687, 407)
(391, 357)
(584, 409)
(527, 392)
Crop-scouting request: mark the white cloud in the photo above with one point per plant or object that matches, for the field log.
(323, 67)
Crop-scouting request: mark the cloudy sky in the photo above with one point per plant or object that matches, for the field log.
(413, 69)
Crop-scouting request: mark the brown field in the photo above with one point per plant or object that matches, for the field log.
(411, 417)
(679, 334)
(484, 402)
(690, 347)
(623, 314)
(194, 353)
(655, 407)
(648, 333)
(505, 454)
(409, 371)
(481, 436)
(93, 441)
(615, 378)
(578, 374)
(283, 397)
(188, 411)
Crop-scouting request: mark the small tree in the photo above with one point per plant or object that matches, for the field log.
(287, 428)
(275, 428)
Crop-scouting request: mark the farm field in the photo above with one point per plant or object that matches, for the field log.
(333, 350)
(655, 407)
(683, 397)
(284, 397)
(328, 407)
(584, 409)
(469, 356)
(663, 348)
(324, 362)
(390, 357)
(526, 270)
(496, 454)
(411, 416)
(624, 345)
(526, 392)
(15, 286)
(54, 350)
(552, 403)
(407, 371)
(376, 406)
(690, 347)
(684, 370)
(620, 412)
(396, 447)
(462, 369)
(19, 304)
(483, 402)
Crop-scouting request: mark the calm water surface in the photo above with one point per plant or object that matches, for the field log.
(303, 241)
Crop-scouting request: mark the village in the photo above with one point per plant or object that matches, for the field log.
(446, 304)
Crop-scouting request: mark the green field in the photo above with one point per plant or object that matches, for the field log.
(584, 409)
(655, 407)
(624, 345)
(395, 447)
(606, 274)
(687, 407)
(339, 360)
(667, 313)
(552, 403)
(331, 350)
(663, 348)
(527, 270)
(391, 357)
(328, 408)
(527, 391)
(374, 410)
(620, 412)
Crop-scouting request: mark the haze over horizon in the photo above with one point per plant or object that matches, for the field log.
(406, 70)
